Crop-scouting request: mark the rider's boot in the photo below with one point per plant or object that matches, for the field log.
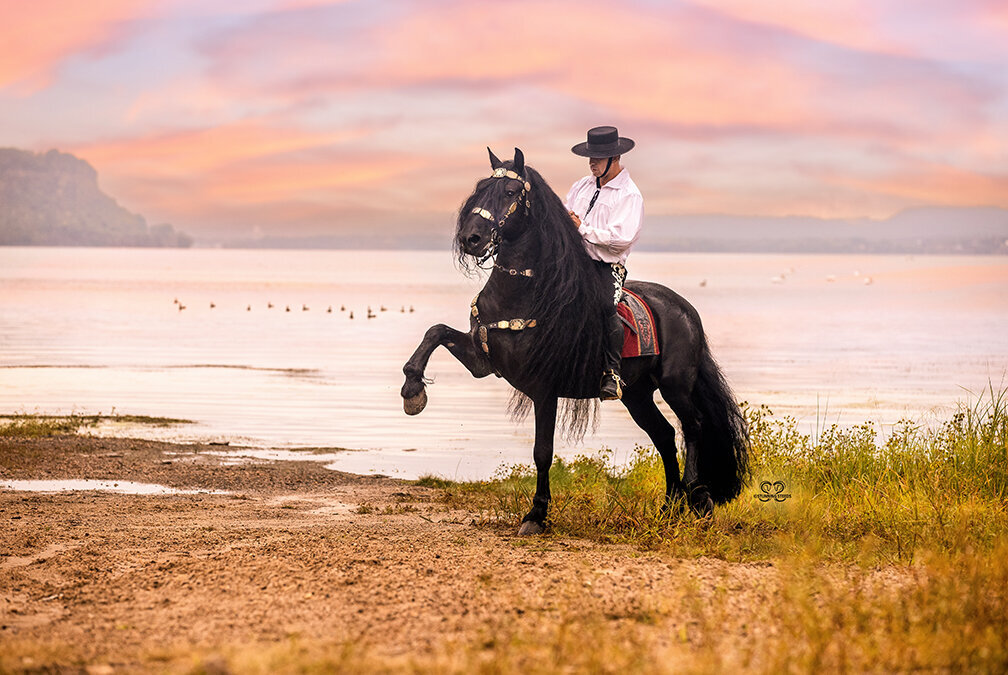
(612, 386)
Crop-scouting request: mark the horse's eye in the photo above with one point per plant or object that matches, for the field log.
(510, 193)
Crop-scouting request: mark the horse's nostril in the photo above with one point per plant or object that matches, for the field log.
(474, 239)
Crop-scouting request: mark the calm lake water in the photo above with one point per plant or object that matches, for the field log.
(825, 338)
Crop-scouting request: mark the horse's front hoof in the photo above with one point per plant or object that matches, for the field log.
(416, 404)
(531, 528)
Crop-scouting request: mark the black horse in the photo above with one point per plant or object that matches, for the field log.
(538, 323)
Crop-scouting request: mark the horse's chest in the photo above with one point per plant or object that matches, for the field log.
(499, 331)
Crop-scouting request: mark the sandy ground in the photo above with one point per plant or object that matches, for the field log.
(101, 582)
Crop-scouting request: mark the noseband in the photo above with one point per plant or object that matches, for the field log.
(495, 237)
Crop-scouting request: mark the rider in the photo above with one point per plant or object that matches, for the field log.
(608, 211)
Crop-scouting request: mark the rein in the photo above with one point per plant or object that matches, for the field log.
(513, 272)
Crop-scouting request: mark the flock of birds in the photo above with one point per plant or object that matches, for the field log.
(305, 308)
(782, 277)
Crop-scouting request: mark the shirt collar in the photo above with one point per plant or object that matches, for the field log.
(620, 180)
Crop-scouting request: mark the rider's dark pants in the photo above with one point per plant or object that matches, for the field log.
(612, 276)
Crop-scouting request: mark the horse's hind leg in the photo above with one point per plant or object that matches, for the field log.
(639, 401)
(697, 494)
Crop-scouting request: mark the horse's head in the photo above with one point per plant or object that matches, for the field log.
(496, 210)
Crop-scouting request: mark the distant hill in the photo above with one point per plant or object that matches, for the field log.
(931, 229)
(53, 199)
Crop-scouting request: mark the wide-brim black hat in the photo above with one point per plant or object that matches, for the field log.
(603, 142)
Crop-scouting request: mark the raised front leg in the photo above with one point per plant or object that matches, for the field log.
(461, 346)
(545, 423)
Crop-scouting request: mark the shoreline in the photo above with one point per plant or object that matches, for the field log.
(375, 570)
(301, 568)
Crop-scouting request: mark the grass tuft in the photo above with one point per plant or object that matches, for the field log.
(25, 425)
(37, 426)
(851, 494)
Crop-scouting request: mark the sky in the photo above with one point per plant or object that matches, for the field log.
(249, 118)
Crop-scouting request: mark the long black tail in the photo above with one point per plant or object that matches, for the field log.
(723, 446)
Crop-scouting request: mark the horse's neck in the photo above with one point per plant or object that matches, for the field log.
(522, 253)
(513, 279)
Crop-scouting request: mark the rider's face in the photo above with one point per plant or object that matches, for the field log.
(597, 165)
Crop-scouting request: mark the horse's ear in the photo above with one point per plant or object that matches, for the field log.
(519, 163)
(494, 162)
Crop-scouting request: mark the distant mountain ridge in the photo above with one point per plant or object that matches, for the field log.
(53, 199)
(979, 230)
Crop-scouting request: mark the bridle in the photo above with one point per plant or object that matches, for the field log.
(498, 225)
(483, 329)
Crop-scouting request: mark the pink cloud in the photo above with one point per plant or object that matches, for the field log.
(209, 149)
(349, 98)
(966, 29)
(687, 68)
(39, 35)
(934, 184)
(850, 23)
(203, 174)
(679, 67)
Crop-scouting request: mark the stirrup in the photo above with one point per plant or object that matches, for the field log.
(607, 377)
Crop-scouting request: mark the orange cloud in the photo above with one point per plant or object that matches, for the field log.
(936, 184)
(760, 90)
(186, 152)
(654, 66)
(39, 34)
(675, 67)
(332, 179)
(197, 175)
(682, 67)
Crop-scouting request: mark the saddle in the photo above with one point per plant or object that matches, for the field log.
(640, 337)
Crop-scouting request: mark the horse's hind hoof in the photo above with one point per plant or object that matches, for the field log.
(531, 528)
(415, 405)
(704, 509)
(700, 501)
(702, 506)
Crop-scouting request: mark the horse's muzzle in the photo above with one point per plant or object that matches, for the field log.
(477, 246)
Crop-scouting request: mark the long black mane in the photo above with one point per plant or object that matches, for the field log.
(568, 302)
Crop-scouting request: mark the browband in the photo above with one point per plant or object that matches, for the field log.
(501, 172)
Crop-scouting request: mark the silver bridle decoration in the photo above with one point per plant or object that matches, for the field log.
(495, 238)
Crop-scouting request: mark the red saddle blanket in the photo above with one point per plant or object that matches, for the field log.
(639, 335)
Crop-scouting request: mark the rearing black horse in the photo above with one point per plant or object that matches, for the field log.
(538, 323)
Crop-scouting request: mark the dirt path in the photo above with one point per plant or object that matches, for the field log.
(300, 564)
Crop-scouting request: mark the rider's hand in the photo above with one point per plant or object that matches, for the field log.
(575, 218)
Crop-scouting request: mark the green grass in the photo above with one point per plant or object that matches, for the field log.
(37, 426)
(855, 494)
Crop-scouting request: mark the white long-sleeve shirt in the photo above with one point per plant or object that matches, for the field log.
(615, 221)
